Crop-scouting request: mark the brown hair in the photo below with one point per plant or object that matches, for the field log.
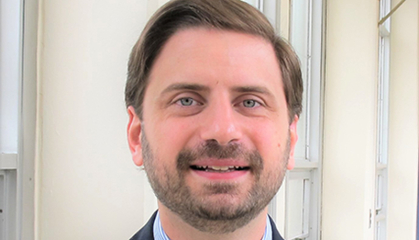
(233, 15)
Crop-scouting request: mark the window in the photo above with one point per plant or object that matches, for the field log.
(380, 211)
(296, 208)
(9, 115)
(18, 31)
(8, 204)
(305, 35)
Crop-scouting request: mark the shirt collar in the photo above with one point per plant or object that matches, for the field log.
(268, 230)
(159, 233)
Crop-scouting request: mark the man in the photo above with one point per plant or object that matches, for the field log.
(213, 97)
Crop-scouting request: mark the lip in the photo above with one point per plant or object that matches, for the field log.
(209, 174)
(232, 175)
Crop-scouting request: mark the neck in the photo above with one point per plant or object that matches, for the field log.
(177, 229)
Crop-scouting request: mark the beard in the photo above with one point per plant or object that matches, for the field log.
(198, 208)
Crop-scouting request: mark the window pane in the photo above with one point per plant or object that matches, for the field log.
(9, 75)
(300, 40)
(8, 204)
(2, 200)
(298, 200)
(254, 3)
(295, 207)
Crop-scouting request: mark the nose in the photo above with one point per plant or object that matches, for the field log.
(221, 124)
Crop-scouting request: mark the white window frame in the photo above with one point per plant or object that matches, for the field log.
(10, 69)
(381, 164)
(17, 163)
(312, 138)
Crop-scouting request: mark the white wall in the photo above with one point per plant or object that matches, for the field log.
(88, 187)
(349, 118)
(403, 144)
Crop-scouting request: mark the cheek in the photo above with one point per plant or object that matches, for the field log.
(172, 135)
(270, 140)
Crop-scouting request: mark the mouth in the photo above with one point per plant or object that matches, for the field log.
(219, 169)
(215, 172)
(215, 169)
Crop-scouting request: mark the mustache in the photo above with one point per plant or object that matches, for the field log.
(212, 149)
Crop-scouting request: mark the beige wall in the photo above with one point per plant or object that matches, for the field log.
(88, 187)
(349, 118)
(403, 150)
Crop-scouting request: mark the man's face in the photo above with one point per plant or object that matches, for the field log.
(215, 138)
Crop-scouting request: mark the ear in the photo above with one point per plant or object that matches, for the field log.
(293, 140)
(134, 136)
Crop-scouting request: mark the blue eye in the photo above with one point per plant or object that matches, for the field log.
(186, 101)
(250, 103)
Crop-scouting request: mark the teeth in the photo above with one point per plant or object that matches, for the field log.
(219, 168)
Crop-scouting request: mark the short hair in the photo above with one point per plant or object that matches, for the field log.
(231, 15)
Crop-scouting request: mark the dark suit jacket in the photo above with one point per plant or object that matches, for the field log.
(146, 233)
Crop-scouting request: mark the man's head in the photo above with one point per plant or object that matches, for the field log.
(213, 97)
(216, 14)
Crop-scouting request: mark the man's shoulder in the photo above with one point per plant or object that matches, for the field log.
(146, 232)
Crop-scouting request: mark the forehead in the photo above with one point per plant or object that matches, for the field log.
(206, 54)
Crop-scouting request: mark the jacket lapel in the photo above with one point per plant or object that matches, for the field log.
(146, 233)
(275, 233)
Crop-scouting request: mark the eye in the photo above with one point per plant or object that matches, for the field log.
(186, 101)
(250, 103)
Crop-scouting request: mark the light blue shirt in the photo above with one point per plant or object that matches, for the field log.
(159, 233)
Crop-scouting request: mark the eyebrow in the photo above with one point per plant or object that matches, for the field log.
(200, 87)
(250, 89)
(185, 86)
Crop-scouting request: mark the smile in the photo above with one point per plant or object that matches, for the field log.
(219, 168)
